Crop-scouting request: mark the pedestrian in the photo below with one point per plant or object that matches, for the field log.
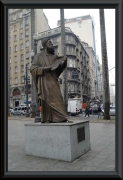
(87, 111)
(99, 111)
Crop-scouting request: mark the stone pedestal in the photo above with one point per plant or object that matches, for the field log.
(62, 141)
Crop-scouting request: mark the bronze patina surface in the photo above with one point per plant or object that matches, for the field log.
(46, 69)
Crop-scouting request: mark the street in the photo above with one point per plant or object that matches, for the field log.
(79, 117)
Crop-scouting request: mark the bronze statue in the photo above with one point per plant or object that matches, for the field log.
(46, 69)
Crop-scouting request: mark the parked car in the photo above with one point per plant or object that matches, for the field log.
(94, 110)
(74, 106)
(21, 110)
(10, 110)
(112, 110)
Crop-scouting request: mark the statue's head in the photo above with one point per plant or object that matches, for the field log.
(48, 45)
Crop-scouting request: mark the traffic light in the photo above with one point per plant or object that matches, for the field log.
(28, 80)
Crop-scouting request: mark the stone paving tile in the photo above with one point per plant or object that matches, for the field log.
(106, 167)
(88, 168)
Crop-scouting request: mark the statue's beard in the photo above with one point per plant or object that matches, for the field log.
(50, 50)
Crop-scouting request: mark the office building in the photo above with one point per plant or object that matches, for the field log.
(23, 23)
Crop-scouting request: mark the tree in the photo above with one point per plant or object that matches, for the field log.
(106, 95)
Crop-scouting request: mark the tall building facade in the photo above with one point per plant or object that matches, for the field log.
(90, 52)
(100, 81)
(83, 27)
(23, 23)
(78, 72)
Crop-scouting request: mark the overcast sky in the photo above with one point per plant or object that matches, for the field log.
(53, 16)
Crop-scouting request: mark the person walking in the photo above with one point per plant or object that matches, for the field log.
(99, 111)
(87, 111)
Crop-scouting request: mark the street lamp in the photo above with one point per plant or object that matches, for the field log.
(95, 87)
(32, 55)
(27, 108)
(35, 37)
(37, 118)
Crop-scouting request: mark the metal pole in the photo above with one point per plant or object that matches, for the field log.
(63, 45)
(27, 112)
(37, 118)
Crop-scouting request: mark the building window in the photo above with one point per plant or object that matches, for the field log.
(15, 48)
(10, 71)
(21, 25)
(16, 69)
(27, 55)
(22, 79)
(15, 28)
(22, 57)
(15, 58)
(16, 91)
(27, 43)
(10, 60)
(16, 80)
(27, 10)
(21, 36)
(14, 16)
(27, 32)
(69, 38)
(55, 49)
(15, 37)
(55, 40)
(22, 68)
(26, 21)
(20, 14)
(70, 48)
(10, 81)
(21, 46)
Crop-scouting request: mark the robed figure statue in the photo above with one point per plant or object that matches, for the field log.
(46, 69)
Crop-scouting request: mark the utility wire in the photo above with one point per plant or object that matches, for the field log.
(108, 70)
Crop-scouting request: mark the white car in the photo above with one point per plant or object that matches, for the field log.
(21, 110)
(112, 110)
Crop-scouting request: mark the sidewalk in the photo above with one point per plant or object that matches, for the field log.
(100, 158)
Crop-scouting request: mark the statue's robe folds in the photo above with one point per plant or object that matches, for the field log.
(48, 88)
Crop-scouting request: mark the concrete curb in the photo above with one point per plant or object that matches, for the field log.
(91, 121)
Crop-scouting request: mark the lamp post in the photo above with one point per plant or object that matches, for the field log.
(37, 118)
(95, 88)
(27, 108)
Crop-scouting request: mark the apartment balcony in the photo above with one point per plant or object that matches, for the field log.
(74, 92)
(73, 78)
(52, 32)
(55, 44)
(70, 53)
(70, 42)
(72, 67)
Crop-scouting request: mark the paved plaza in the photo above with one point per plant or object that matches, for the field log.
(101, 157)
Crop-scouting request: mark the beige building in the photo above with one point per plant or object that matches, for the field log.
(78, 73)
(23, 24)
(92, 67)
(83, 27)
